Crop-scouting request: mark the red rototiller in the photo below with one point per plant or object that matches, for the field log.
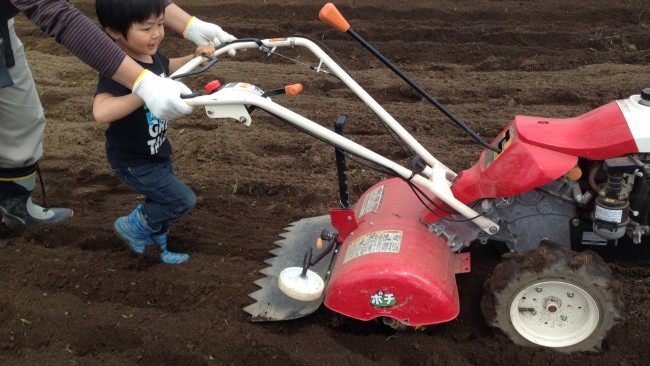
(542, 187)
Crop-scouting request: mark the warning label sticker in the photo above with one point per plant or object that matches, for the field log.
(608, 215)
(591, 238)
(385, 241)
(372, 202)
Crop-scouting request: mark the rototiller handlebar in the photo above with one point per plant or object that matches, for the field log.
(237, 100)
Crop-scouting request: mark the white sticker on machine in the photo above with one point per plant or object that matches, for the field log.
(608, 215)
(591, 238)
(372, 202)
(385, 241)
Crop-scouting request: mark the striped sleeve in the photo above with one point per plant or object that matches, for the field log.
(76, 32)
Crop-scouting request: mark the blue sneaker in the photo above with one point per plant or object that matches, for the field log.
(167, 256)
(134, 230)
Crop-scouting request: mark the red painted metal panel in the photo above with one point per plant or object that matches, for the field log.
(599, 134)
(391, 265)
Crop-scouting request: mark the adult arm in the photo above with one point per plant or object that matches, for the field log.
(194, 29)
(81, 36)
(176, 18)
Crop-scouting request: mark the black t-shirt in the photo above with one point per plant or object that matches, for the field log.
(140, 137)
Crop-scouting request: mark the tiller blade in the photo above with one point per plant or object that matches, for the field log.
(272, 304)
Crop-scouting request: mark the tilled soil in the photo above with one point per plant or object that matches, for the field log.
(72, 293)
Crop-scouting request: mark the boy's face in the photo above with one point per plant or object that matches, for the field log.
(142, 39)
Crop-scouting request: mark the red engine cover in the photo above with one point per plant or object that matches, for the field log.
(391, 265)
(539, 150)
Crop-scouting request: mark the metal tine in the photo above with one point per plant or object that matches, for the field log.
(277, 251)
(271, 271)
(271, 303)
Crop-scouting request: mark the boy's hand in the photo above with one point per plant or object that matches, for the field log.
(202, 33)
(207, 49)
(162, 96)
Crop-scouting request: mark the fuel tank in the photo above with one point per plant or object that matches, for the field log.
(391, 265)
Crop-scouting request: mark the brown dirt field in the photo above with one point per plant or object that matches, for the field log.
(73, 294)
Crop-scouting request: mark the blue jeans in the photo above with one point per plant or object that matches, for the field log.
(166, 197)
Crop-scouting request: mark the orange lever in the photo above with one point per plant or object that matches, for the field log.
(575, 173)
(331, 16)
(294, 89)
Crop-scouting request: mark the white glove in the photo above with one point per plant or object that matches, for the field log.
(162, 96)
(201, 33)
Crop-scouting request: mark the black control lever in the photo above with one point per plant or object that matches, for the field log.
(212, 61)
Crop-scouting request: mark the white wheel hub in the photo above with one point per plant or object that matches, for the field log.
(304, 288)
(554, 314)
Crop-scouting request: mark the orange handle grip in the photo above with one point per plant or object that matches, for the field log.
(331, 16)
(294, 89)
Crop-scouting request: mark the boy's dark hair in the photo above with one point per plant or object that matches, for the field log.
(120, 14)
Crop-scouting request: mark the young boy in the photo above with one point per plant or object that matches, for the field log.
(137, 147)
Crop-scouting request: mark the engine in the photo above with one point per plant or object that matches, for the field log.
(610, 202)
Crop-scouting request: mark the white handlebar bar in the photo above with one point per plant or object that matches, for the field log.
(438, 176)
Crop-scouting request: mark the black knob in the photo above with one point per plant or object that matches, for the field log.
(645, 94)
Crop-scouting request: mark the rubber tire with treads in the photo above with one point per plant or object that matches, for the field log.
(553, 297)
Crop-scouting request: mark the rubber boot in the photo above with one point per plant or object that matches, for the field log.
(134, 230)
(18, 209)
(167, 256)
